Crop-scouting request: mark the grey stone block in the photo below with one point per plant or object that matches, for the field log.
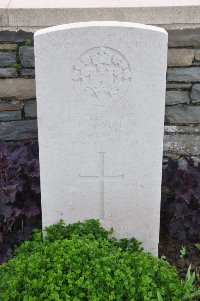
(17, 88)
(7, 58)
(8, 72)
(8, 46)
(3, 15)
(15, 36)
(182, 129)
(182, 144)
(10, 115)
(178, 86)
(30, 109)
(196, 63)
(197, 54)
(184, 37)
(26, 72)
(18, 130)
(195, 93)
(180, 57)
(10, 106)
(191, 74)
(182, 114)
(177, 97)
(26, 54)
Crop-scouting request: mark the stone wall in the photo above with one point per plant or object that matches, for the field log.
(17, 90)
(182, 113)
(17, 86)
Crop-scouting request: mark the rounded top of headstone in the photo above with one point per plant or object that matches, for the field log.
(100, 24)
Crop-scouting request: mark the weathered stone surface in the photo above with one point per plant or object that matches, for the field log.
(197, 54)
(26, 54)
(8, 46)
(195, 93)
(18, 130)
(17, 88)
(182, 129)
(196, 63)
(7, 58)
(8, 72)
(45, 13)
(184, 37)
(182, 144)
(180, 57)
(174, 156)
(9, 106)
(3, 16)
(97, 124)
(177, 97)
(26, 72)
(182, 114)
(10, 115)
(30, 109)
(191, 74)
(15, 36)
(179, 86)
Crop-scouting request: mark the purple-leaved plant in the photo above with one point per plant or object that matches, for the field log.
(180, 207)
(20, 210)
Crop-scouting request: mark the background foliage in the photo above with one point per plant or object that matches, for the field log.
(180, 207)
(19, 194)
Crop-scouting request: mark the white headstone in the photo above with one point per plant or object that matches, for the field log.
(101, 98)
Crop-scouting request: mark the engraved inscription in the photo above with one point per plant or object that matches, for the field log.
(101, 74)
(142, 41)
(101, 178)
(107, 126)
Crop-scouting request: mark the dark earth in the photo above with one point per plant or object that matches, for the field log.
(171, 250)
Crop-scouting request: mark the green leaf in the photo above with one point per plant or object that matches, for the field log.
(197, 246)
(159, 297)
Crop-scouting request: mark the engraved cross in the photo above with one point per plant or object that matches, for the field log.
(101, 178)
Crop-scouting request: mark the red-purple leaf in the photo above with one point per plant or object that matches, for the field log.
(19, 192)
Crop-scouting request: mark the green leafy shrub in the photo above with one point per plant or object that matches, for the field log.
(83, 261)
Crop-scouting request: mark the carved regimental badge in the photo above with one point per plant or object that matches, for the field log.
(101, 74)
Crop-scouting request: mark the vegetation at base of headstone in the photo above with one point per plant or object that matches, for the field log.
(180, 208)
(19, 194)
(83, 261)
